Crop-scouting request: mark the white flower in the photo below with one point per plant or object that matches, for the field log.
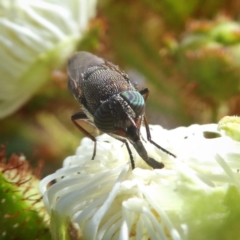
(36, 36)
(196, 196)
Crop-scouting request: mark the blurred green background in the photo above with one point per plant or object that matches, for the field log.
(186, 52)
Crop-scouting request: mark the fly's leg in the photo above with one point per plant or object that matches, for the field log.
(150, 138)
(145, 92)
(81, 116)
(128, 149)
(130, 154)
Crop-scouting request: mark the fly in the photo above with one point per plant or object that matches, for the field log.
(109, 102)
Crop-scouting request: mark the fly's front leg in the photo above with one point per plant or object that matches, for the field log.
(128, 149)
(81, 116)
(150, 139)
(130, 154)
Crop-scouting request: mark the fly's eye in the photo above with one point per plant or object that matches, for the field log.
(103, 118)
(135, 101)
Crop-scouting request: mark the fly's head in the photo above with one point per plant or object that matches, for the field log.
(121, 115)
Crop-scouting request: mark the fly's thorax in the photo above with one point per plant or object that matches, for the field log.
(100, 83)
(119, 112)
(77, 65)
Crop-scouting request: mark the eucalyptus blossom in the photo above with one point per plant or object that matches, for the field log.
(196, 195)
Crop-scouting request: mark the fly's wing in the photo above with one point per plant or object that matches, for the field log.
(77, 65)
